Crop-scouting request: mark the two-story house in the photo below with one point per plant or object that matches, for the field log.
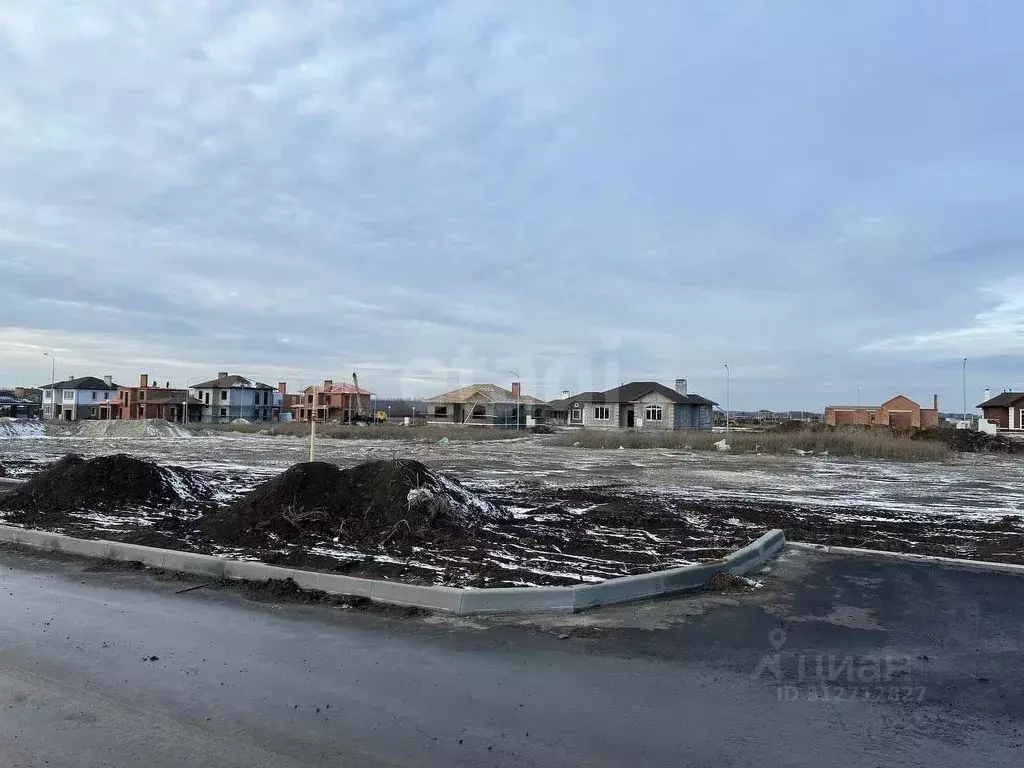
(230, 396)
(332, 402)
(76, 399)
(151, 401)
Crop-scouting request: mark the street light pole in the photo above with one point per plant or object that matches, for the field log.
(858, 395)
(53, 381)
(965, 389)
(728, 397)
(312, 429)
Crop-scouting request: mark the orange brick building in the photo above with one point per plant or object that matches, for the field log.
(332, 402)
(899, 413)
(146, 402)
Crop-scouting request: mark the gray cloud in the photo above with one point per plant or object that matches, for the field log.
(433, 194)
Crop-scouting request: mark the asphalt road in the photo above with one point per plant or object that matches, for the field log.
(112, 668)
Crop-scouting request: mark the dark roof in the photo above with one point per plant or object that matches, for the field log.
(83, 382)
(1002, 400)
(7, 397)
(232, 381)
(634, 390)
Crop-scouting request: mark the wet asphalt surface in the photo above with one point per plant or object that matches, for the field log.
(834, 661)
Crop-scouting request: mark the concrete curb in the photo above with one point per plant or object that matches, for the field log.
(449, 599)
(976, 565)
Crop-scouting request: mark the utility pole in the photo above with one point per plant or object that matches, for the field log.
(312, 429)
(965, 389)
(53, 381)
(858, 395)
(728, 395)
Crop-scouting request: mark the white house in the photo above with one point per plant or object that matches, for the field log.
(76, 399)
(230, 397)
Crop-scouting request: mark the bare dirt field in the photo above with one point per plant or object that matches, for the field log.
(582, 514)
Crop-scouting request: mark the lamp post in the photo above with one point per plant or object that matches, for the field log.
(53, 381)
(965, 389)
(858, 395)
(184, 415)
(728, 394)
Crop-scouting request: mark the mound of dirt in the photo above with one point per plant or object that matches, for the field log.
(379, 503)
(102, 484)
(970, 441)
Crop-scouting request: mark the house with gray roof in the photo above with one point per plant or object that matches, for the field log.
(645, 405)
(75, 399)
(230, 396)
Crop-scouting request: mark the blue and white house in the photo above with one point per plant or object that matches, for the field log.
(76, 398)
(230, 396)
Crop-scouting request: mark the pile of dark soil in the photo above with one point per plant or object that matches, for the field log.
(105, 483)
(379, 503)
(970, 441)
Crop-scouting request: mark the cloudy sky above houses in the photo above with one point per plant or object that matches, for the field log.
(823, 196)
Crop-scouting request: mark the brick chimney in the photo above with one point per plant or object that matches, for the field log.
(328, 383)
(109, 381)
(144, 380)
(282, 387)
(516, 392)
(935, 403)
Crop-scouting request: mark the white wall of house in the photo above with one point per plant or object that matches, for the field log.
(73, 403)
(645, 406)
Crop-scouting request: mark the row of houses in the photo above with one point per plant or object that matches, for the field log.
(226, 398)
(229, 397)
(645, 405)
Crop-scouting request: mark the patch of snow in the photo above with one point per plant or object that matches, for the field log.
(20, 428)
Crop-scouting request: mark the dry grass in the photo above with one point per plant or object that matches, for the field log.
(368, 432)
(874, 444)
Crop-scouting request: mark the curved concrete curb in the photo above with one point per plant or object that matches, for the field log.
(449, 599)
(977, 565)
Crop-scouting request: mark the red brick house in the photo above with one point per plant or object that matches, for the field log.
(1005, 409)
(332, 402)
(899, 413)
(150, 402)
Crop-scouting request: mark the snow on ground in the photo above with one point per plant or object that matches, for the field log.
(889, 504)
(20, 428)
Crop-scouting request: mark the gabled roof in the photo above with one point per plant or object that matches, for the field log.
(1003, 400)
(82, 382)
(492, 393)
(231, 381)
(337, 389)
(634, 390)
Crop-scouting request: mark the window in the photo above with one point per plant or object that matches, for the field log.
(441, 411)
(652, 413)
(69, 394)
(207, 398)
(223, 412)
(142, 394)
(223, 395)
(94, 394)
(479, 411)
(577, 415)
(602, 412)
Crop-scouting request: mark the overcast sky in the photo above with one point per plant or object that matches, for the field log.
(821, 195)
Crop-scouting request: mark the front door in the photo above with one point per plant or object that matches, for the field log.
(630, 418)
